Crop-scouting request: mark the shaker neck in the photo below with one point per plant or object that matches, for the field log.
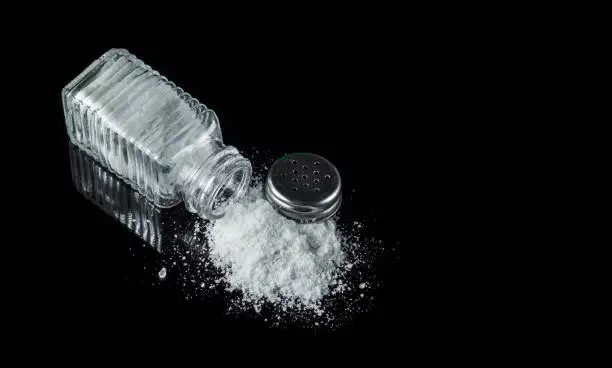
(211, 176)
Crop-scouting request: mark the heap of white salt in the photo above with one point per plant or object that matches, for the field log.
(269, 257)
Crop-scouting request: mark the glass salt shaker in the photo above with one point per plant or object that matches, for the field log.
(152, 134)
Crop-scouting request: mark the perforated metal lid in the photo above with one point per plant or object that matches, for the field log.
(304, 187)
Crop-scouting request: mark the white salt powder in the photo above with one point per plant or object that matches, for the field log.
(272, 258)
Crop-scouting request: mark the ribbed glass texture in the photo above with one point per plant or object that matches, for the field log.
(116, 198)
(150, 132)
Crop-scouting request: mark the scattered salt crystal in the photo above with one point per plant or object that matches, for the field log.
(362, 285)
(162, 273)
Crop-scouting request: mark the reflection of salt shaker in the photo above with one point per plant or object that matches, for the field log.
(158, 138)
(159, 228)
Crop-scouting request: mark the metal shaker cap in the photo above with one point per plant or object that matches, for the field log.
(304, 187)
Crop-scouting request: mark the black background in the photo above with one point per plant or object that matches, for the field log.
(358, 100)
(411, 106)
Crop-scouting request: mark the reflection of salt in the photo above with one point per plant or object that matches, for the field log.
(162, 273)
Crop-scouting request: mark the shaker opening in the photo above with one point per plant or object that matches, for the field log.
(233, 187)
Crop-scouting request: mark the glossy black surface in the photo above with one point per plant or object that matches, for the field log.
(331, 102)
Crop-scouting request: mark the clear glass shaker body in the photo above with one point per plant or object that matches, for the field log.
(152, 134)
